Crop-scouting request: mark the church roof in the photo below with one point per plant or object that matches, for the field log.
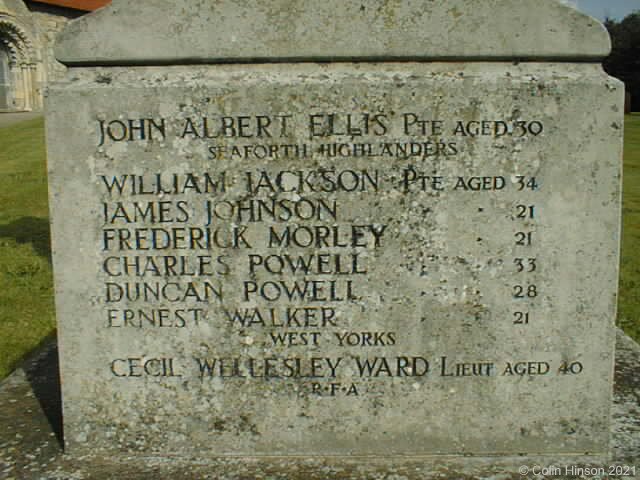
(86, 5)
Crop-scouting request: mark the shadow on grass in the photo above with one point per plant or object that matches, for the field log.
(31, 230)
(40, 366)
(42, 371)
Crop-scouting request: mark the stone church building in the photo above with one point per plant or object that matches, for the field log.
(28, 30)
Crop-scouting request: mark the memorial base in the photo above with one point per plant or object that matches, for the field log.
(31, 434)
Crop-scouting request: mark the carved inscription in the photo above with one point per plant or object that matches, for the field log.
(266, 248)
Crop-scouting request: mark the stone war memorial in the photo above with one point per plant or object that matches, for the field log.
(367, 230)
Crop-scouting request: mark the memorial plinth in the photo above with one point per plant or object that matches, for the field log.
(368, 231)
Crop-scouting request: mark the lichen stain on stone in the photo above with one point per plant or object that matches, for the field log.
(242, 425)
(219, 425)
(455, 13)
(104, 79)
(247, 426)
(389, 10)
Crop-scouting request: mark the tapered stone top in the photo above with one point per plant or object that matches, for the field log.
(159, 32)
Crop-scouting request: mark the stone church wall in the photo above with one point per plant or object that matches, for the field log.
(50, 21)
(28, 32)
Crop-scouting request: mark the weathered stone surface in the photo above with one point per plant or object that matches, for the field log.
(520, 267)
(30, 422)
(190, 31)
(391, 259)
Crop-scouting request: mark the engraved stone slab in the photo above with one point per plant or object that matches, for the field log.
(340, 259)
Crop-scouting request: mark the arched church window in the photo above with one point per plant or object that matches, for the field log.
(5, 78)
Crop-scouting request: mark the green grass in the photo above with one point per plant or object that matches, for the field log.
(629, 300)
(26, 292)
